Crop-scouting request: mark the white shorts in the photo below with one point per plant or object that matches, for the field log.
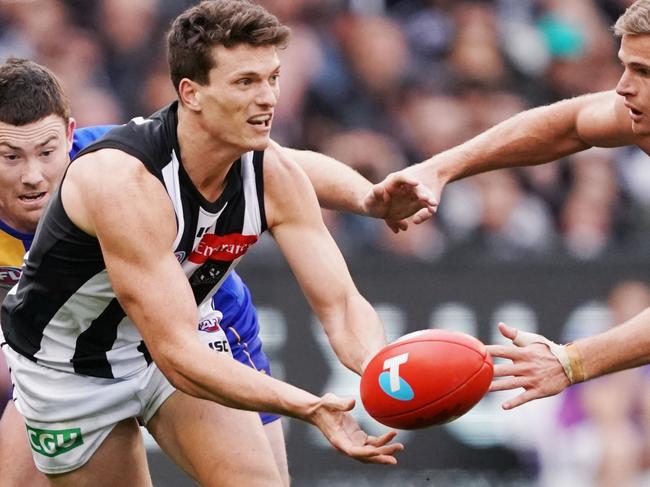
(68, 416)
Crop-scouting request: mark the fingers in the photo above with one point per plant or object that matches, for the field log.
(381, 440)
(508, 384)
(397, 225)
(522, 398)
(423, 215)
(508, 332)
(335, 403)
(399, 178)
(371, 454)
(504, 351)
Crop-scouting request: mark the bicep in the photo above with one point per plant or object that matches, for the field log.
(602, 121)
(134, 222)
(297, 227)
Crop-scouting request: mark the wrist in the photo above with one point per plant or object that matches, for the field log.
(575, 363)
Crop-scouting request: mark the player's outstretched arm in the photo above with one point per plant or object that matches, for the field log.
(339, 187)
(532, 137)
(543, 368)
(352, 326)
(131, 215)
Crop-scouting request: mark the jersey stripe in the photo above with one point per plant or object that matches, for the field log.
(64, 313)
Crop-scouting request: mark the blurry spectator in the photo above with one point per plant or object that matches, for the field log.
(475, 55)
(433, 123)
(588, 216)
(374, 156)
(421, 75)
(512, 223)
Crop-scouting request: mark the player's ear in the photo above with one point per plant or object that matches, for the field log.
(69, 133)
(189, 94)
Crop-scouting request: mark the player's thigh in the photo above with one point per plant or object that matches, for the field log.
(17, 467)
(275, 435)
(120, 460)
(214, 444)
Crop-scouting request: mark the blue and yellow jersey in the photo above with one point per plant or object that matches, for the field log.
(14, 244)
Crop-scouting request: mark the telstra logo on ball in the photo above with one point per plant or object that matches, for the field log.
(391, 382)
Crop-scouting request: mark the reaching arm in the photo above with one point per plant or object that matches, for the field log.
(544, 368)
(339, 187)
(533, 137)
(131, 215)
(352, 326)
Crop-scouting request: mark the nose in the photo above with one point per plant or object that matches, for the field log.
(32, 174)
(267, 95)
(625, 86)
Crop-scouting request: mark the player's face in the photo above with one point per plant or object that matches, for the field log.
(238, 103)
(634, 84)
(32, 160)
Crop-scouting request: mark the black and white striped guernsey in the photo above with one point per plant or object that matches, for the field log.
(64, 314)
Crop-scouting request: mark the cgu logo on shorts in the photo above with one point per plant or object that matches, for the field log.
(221, 247)
(391, 382)
(54, 442)
(9, 276)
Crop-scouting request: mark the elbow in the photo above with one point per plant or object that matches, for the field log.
(170, 361)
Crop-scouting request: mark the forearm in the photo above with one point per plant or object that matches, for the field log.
(202, 373)
(337, 185)
(532, 137)
(622, 347)
(356, 333)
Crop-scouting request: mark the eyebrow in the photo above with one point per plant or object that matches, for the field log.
(7, 144)
(47, 141)
(254, 73)
(44, 143)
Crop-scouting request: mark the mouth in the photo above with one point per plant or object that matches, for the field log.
(34, 197)
(634, 113)
(261, 121)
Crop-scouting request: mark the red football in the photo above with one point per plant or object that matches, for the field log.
(426, 377)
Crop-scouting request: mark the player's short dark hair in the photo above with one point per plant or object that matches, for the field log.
(30, 92)
(229, 23)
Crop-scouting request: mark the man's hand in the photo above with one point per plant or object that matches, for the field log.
(534, 368)
(331, 416)
(397, 197)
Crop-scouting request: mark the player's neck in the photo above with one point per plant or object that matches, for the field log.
(13, 227)
(206, 160)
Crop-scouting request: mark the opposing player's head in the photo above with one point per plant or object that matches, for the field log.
(225, 68)
(35, 137)
(634, 29)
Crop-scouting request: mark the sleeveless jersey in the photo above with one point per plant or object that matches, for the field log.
(14, 244)
(64, 313)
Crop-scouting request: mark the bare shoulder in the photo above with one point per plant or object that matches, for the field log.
(287, 189)
(105, 169)
(603, 120)
(110, 184)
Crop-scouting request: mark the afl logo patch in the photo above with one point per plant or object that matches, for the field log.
(9, 276)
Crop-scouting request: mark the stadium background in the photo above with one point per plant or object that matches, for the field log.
(380, 84)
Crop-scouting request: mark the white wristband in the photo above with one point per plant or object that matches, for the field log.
(524, 338)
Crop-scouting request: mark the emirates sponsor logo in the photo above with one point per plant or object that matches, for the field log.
(221, 247)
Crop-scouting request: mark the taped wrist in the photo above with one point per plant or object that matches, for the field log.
(568, 355)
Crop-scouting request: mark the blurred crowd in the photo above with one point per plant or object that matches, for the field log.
(380, 84)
